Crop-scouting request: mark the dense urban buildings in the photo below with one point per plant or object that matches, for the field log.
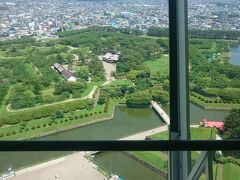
(39, 18)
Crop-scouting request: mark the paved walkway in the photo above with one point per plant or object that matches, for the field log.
(143, 135)
(71, 167)
(109, 69)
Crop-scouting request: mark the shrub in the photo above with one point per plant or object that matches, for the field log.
(61, 121)
(23, 124)
(44, 125)
(95, 112)
(48, 111)
(59, 114)
(1, 135)
(81, 116)
(33, 127)
(20, 131)
(66, 120)
(27, 129)
(8, 134)
(100, 112)
(86, 115)
(91, 114)
(38, 126)
(76, 117)
(14, 132)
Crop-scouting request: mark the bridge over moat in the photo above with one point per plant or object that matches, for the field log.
(161, 112)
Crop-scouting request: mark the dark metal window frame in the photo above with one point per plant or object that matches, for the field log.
(114, 145)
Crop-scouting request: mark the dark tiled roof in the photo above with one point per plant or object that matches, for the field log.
(66, 74)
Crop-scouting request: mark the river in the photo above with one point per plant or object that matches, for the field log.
(126, 121)
(235, 55)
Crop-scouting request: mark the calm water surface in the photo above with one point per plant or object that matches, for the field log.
(126, 121)
(129, 169)
(235, 55)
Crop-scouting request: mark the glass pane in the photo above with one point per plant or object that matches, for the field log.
(82, 69)
(86, 165)
(214, 70)
(99, 165)
(213, 66)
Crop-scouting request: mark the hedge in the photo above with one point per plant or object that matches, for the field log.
(43, 112)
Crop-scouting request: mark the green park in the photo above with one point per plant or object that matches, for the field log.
(35, 99)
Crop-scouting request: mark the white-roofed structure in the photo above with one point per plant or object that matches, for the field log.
(66, 74)
(111, 57)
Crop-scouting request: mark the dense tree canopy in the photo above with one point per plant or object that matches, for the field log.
(232, 124)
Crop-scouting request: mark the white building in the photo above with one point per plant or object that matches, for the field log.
(66, 74)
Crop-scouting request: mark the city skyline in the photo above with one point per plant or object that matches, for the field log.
(18, 18)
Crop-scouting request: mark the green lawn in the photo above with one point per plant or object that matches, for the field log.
(231, 172)
(59, 124)
(89, 88)
(200, 133)
(161, 64)
(157, 159)
(48, 91)
(120, 82)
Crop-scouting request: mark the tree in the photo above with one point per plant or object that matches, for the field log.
(59, 114)
(139, 98)
(232, 124)
(59, 59)
(83, 72)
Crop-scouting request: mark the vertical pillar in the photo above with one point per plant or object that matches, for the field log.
(208, 166)
(179, 162)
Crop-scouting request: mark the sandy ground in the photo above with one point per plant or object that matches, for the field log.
(109, 68)
(72, 167)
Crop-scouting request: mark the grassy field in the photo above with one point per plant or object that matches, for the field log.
(48, 91)
(158, 160)
(200, 133)
(161, 64)
(89, 88)
(120, 82)
(231, 171)
(36, 128)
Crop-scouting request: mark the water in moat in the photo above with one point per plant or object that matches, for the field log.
(123, 165)
(235, 55)
(126, 122)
